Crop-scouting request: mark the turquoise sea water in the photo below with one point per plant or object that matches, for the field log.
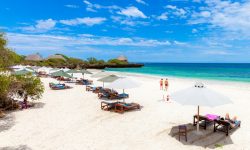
(214, 71)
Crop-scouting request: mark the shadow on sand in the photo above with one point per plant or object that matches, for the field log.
(20, 147)
(207, 139)
(37, 105)
(7, 122)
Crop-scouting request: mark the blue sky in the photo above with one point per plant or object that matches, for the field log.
(142, 30)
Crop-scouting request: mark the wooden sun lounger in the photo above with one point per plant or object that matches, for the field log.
(203, 121)
(103, 95)
(107, 105)
(117, 96)
(97, 90)
(42, 74)
(225, 126)
(89, 88)
(63, 79)
(51, 84)
(54, 87)
(84, 82)
(87, 82)
(106, 93)
(122, 107)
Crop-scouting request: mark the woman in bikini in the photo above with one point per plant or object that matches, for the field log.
(231, 121)
(161, 84)
(166, 84)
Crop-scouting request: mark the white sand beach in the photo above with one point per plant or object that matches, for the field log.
(72, 120)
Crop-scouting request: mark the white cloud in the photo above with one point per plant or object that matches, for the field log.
(218, 52)
(163, 16)
(132, 12)
(141, 2)
(90, 7)
(128, 21)
(194, 30)
(197, 1)
(87, 35)
(179, 43)
(227, 15)
(134, 23)
(87, 21)
(47, 42)
(41, 26)
(87, 2)
(171, 7)
(94, 7)
(45, 24)
(205, 14)
(180, 12)
(71, 6)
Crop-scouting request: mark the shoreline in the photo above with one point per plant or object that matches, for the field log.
(211, 81)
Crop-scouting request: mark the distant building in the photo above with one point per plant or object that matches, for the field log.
(34, 57)
(122, 58)
(56, 56)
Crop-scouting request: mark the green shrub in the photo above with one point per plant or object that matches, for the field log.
(116, 62)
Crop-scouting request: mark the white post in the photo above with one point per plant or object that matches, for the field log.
(198, 118)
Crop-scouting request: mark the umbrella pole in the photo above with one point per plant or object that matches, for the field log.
(123, 97)
(198, 118)
(103, 84)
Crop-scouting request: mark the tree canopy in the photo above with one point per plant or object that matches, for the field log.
(8, 57)
(15, 85)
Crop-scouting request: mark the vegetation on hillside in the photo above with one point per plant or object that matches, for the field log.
(116, 62)
(70, 62)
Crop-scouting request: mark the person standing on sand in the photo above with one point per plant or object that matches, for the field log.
(161, 84)
(166, 84)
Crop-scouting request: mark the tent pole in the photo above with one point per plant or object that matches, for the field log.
(198, 118)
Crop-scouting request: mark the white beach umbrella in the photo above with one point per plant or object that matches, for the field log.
(124, 83)
(53, 70)
(16, 67)
(108, 79)
(101, 74)
(199, 95)
(43, 69)
(65, 69)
